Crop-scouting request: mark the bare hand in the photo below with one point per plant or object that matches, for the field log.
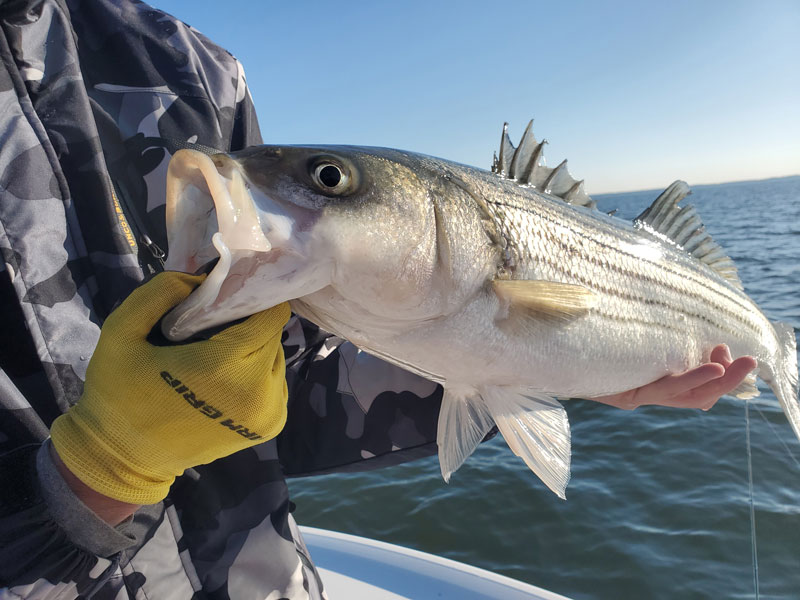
(700, 387)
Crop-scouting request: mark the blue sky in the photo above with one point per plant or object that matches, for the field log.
(634, 94)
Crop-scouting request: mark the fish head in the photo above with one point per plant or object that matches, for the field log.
(354, 228)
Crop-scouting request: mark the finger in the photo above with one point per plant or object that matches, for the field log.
(255, 331)
(664, 390)
(706, 396)
(721, 354)
(623, 400)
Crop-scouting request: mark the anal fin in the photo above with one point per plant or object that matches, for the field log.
(536, 428)
(747, 389)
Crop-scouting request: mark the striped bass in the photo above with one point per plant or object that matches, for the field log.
(507, 287)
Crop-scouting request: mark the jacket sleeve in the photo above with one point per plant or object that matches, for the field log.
(350, 411)
(245, 131)
(51, 544)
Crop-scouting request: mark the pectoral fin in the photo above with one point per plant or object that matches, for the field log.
(546, 300)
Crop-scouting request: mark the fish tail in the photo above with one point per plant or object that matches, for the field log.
(783, 380)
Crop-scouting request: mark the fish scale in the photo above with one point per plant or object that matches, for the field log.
(590, 240)
(507, 287)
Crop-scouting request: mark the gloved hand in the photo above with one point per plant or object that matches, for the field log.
(148, 412)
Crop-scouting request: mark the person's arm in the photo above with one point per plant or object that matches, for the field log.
(107, 509)
(149, 410)
(51, 544)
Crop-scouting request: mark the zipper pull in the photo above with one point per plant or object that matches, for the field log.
(154, 249)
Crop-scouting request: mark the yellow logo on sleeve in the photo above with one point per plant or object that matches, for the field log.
(123, 222)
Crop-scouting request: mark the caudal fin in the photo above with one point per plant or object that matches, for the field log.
(784, 379)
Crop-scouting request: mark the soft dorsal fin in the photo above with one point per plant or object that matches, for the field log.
(682, 225)
(525, 164)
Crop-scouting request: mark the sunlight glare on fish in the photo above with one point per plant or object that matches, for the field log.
(644, 250)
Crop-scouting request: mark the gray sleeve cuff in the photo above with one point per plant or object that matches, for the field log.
(86, 530)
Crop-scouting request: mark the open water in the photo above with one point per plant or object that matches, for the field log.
(658, 504)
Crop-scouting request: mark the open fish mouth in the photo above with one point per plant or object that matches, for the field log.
(207, 198)
(213, 216)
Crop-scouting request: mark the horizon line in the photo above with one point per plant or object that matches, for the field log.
(693, 185)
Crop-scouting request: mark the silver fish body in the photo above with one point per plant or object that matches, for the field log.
(506, 294)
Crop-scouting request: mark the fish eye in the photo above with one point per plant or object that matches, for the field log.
(330, 177)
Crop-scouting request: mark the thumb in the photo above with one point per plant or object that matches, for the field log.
(149, 302)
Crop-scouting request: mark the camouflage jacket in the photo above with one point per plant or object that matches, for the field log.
(94, 96)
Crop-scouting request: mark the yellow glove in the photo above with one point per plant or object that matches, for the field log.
(148, 412)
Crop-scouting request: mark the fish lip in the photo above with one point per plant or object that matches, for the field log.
(215, 213)
(247, 219)
(197, 185)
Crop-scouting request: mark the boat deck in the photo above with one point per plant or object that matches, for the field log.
(353, 568)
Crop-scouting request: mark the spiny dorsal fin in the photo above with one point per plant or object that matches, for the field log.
(682, 225)
(546, 300)
(525, 164)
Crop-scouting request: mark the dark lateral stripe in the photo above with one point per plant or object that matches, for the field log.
(688, 275)
(730, 294)
(692, 274)
(744, 319)
(719, 324)
(658, 324)
(645, 322)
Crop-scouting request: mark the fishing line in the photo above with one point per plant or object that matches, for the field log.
(778, 436)
(752, 507)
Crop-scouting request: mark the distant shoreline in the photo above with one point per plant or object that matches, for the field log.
(697, 185)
